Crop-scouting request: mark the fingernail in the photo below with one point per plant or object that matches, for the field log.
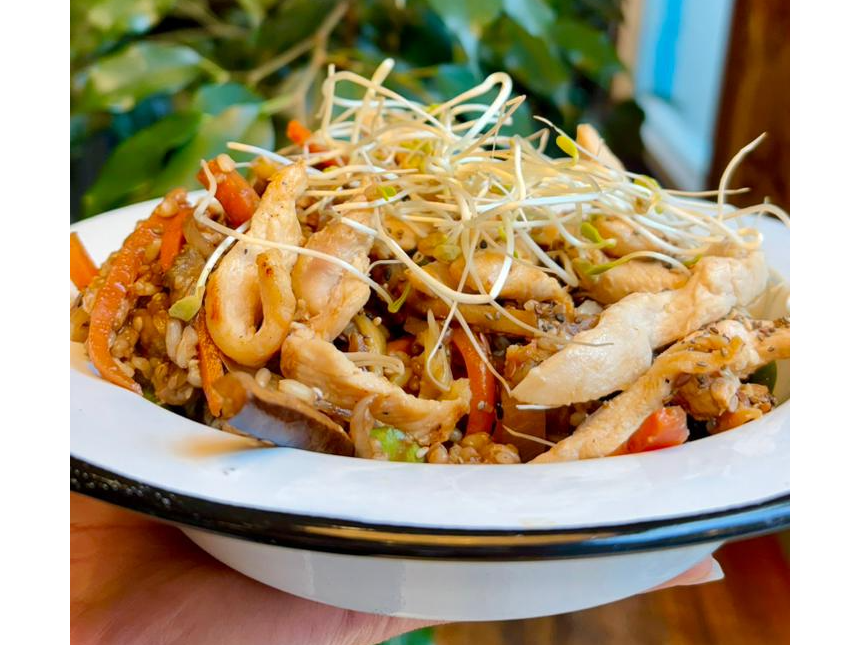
(716, 573)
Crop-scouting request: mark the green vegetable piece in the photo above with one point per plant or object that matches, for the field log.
(149, 395)
(765, 375)
(396, 444)
(387, 192)
(590, 233)
(395, 306)
(186, 308)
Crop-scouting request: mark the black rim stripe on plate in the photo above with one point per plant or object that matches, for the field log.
(357, 538)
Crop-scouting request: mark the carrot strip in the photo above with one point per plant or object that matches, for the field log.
(482, 413)
(299, 134)
(83, 269)
(173, 237)
(124, 270)
(234, 193)
(211, 366)
(400, 345)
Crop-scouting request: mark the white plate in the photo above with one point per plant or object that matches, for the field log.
(426, 540)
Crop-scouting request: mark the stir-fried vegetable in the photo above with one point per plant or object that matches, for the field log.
(396, 445)
(109, 300)
(83, 269)
(233, 191)
(403, 345)
(765, 375)
(665, 428)
(299, 134)
(482, 415)
(730, 420)
(211, 365)
(395, 306)
(173, 237)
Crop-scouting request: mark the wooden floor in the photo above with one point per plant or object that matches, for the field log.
(750, 606)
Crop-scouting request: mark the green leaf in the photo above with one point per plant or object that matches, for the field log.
(119, 81)
(467, 20)
(532, 15)
(522, 124)
(621, 129)
(97, 24)
(597, 12)
(214, 99)
(210, 140)
(292, 21)
(261, 133)
(256, 9)
(137, 160)
(147, 111)
(530, 60)
(587, 48)
(451, 80)
(79, 128)
(424, 40)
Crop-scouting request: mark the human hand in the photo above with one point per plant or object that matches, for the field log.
(135, 580)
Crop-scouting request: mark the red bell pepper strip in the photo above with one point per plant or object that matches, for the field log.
(664, 428)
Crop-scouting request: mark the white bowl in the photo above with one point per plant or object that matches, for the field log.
(436, 542)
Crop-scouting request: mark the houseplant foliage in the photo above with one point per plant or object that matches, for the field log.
(159, 84)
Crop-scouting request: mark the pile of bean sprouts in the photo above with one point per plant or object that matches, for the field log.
(450, 166)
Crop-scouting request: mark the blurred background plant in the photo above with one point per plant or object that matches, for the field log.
(159, 84)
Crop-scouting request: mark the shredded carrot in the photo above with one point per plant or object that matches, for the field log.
(83, 268)
(482, 413)
(172, 239)
(297, 133)
(400, 345)
(233, 192)
(211, 366)
(124, 270)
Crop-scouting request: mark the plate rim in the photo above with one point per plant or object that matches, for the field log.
(351, 537)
